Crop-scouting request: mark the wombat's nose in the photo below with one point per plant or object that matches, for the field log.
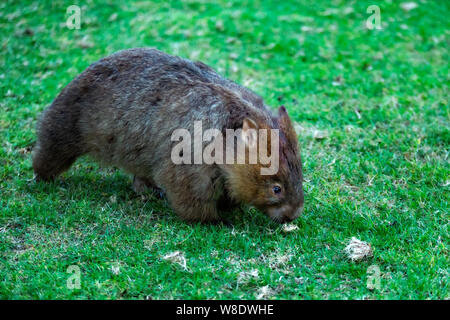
(292, 216)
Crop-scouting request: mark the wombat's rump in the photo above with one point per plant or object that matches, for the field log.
(123, 109)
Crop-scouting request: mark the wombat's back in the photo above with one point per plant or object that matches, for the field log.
(124, 107)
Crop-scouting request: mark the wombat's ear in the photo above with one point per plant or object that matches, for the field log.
(282, 112)
(249, 132)
(286, 124)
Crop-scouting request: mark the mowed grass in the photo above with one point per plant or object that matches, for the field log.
(372, 111)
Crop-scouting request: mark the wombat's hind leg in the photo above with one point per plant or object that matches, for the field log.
(59, 144)
(48, 162)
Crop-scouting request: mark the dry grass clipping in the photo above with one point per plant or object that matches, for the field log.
(289, 227)
(358, 250)
(176, 257)
(265, 293)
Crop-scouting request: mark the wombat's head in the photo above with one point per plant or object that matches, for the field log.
(272, 185)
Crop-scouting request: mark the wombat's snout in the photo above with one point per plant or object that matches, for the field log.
(285, 213)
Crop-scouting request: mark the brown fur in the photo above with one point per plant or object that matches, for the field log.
(122, 111)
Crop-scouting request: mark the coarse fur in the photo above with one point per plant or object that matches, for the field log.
(123, 109)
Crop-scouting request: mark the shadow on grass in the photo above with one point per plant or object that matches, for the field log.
(112, 187)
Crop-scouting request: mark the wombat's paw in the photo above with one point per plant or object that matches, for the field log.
(222, 222)
(139, 185)
(159, 193)
(226, 222)
(39, 178)
(143, 185)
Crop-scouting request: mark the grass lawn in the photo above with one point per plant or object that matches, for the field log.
(372, 112)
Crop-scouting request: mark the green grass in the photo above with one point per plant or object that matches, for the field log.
(378, 98)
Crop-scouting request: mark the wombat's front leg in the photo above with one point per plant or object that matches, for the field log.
(192, 208)
(197, 211)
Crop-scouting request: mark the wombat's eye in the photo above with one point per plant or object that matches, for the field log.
(276, 189)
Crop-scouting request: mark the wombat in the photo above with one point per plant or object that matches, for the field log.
(123, 109)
